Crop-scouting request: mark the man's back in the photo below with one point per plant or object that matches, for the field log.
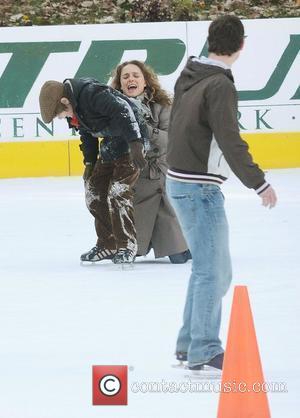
(190, 132)
(204, 138)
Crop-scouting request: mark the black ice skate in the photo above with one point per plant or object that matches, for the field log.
(211, 370)
(124, 256)
(216, 362)
(180, 258)
(98, 254)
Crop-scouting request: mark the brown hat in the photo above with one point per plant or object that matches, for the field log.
(50, 96)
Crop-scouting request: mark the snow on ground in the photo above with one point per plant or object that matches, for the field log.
(57, 318)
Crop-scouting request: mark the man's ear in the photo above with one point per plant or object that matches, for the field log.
(64, 101)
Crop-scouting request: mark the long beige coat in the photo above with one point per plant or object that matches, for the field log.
(156, 223)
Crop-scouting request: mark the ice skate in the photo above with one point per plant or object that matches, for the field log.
(210, 370)
(216, 363)
(180, 258)
(97, 254)
(125, 257)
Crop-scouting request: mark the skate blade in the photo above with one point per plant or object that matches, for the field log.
(126, 266)
(87, 263)
(208, 373)
(181, 365)
(94, 263)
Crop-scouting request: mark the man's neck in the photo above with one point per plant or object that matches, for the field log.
(225, 59)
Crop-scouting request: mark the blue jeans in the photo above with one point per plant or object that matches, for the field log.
(200, 211)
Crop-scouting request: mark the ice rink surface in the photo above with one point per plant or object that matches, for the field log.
(58, 318)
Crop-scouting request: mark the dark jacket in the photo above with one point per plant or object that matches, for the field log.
(103, 112)
(204, 139)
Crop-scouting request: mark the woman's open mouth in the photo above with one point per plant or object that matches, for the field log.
(131, 87)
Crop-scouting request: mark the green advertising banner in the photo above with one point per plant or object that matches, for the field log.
(267, 78)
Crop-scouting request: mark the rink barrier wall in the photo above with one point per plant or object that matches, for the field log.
(63, 158)
(266, 77)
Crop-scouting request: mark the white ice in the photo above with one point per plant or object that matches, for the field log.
(57, 318)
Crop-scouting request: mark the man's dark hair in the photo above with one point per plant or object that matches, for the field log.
(225, 35)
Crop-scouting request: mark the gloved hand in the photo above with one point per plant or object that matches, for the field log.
(89, 167)
(138, 154)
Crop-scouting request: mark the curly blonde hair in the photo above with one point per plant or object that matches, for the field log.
(153, 90)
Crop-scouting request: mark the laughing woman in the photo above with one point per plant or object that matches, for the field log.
(156, 223)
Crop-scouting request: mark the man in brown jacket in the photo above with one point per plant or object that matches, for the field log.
(204, 143)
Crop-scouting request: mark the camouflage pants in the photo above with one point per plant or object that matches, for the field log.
(109, 197)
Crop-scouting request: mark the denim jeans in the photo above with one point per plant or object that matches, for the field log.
(200, 211)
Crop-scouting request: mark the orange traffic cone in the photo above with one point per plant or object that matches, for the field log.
(243, 392)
